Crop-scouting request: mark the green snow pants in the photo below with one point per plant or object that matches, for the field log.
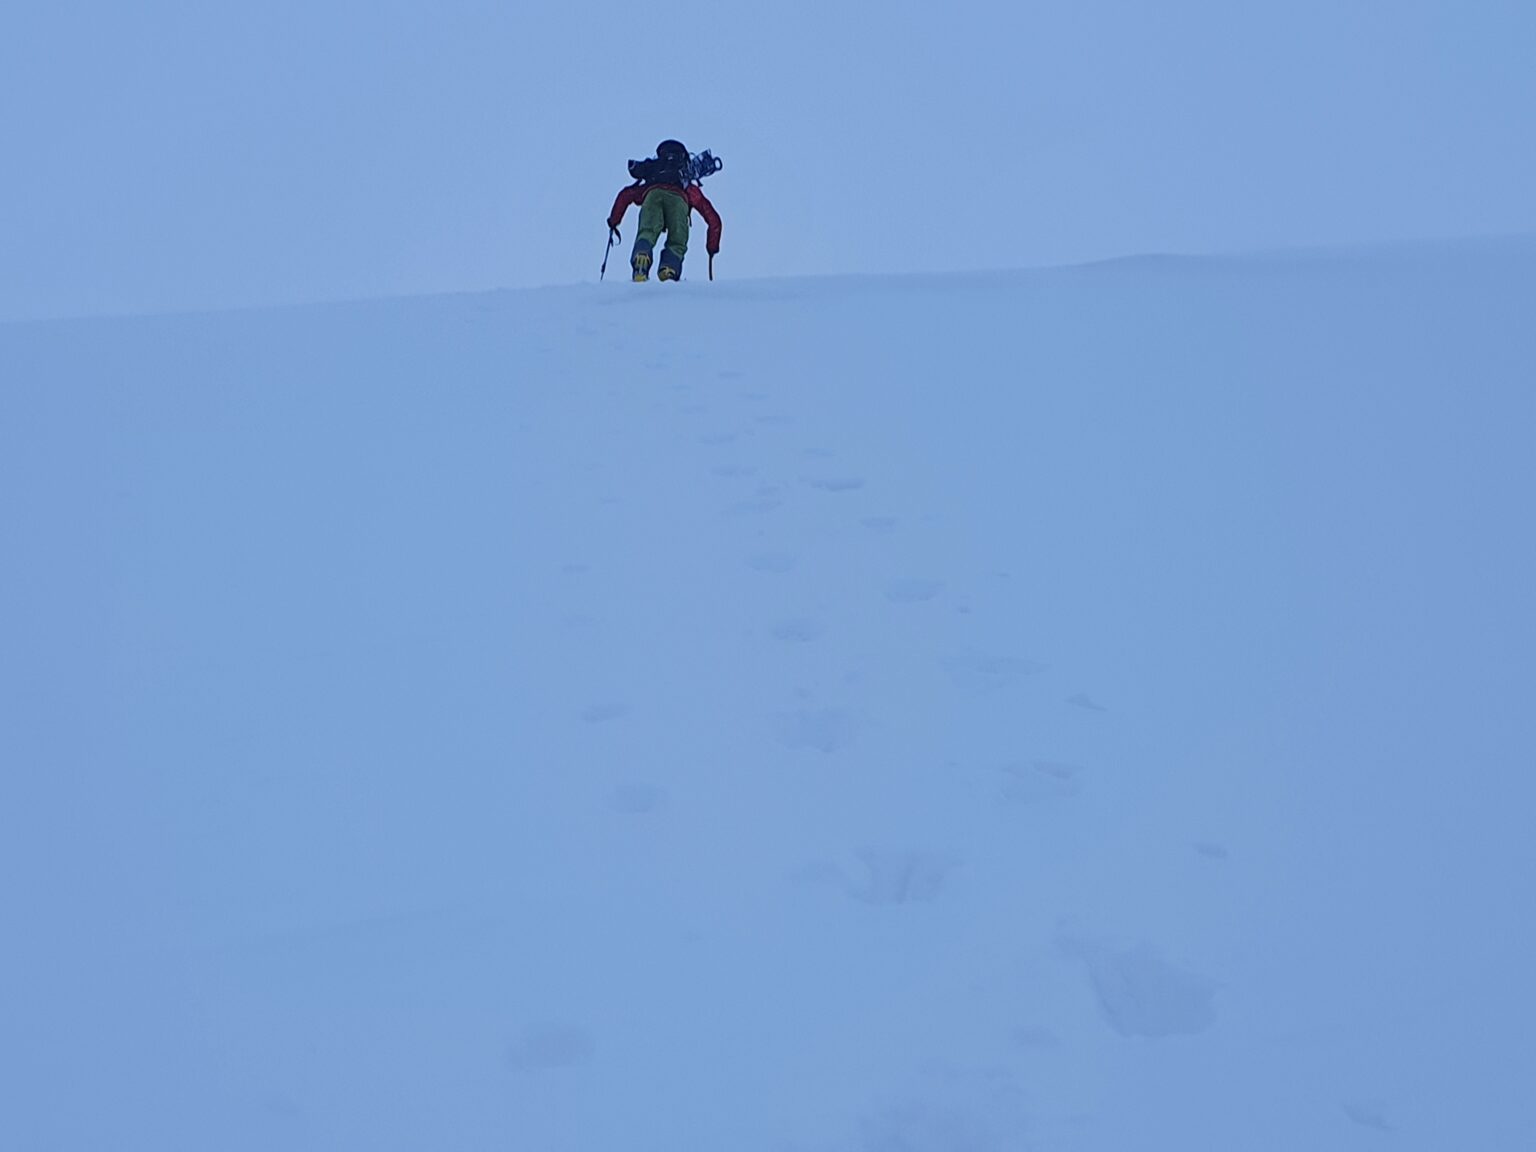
(664, 212)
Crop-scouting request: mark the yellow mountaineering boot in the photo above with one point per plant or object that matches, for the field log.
(671, 264)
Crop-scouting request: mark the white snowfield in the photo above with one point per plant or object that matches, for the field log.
(1088, 709)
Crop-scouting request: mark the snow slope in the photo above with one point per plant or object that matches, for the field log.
(1079, 709)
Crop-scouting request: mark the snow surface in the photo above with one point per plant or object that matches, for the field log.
(1079, 709)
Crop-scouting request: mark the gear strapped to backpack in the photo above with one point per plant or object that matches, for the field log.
(675, 166)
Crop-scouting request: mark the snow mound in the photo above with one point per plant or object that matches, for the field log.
(1078, 709)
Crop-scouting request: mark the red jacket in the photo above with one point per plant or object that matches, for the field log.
(636, 193)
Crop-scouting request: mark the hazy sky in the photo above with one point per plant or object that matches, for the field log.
(213, 153)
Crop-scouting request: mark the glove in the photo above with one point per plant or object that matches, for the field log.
(615, 235)
(712, 249)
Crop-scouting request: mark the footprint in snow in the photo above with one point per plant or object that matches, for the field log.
(285, 1108)
(772, 561)
(1082, 700)
(912, 591)
(546, 1046)
(798, 631)
(824, 730)
(959, 1120)
(901, 876)
(1039, 781)
(978, 672)
(764, 500)
(603, 712)
(637, 798)
(1368, 1116)
(731, 471)
(879, 523)
(1212, 851)
(1139, 993)
(836, 483)
(712, 438)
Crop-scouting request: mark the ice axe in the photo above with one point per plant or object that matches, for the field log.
(613, 234)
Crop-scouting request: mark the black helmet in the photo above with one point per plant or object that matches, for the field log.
(671, 150)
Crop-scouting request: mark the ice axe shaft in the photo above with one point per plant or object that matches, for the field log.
(613, 234)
